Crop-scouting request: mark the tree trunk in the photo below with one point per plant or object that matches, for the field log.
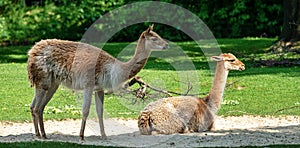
(291, 21)
(289, 40)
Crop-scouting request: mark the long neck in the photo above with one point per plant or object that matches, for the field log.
(218, 87)
(139, 59)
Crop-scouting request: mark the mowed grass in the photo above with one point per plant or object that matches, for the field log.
(255, 91)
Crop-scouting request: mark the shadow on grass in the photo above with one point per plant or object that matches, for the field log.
(282, 136)
(285, 72)
(14, 54)
(246, 46)
(168, 60)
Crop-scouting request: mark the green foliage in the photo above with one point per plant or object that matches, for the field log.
(64, 20)
(3, 30)
(67, 19)
(238, 18)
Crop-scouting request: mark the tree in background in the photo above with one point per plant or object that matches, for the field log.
(287, 47)
(291, 21)
(289, 40)
(27, 21)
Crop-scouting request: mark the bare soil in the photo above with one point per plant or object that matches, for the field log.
(230, 131)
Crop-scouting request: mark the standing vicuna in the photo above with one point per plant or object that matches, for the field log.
(80, 66)
(184, 114)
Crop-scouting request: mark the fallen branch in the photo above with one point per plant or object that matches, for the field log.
(144, 85)
(190, 87)
(141, 92)
(287, 108)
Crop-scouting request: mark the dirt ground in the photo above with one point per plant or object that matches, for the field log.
(230, 131)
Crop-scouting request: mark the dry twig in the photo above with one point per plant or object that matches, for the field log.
(287, 108)
(141, 91)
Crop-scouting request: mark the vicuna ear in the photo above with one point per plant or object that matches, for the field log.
(150, 28)
(216, 58)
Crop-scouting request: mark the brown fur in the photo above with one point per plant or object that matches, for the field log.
(57, 57)
(184, 114)
(139, 60)
(80, 66)
(175, 115)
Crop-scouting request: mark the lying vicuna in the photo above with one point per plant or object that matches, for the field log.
(80, 66)
(184, 114)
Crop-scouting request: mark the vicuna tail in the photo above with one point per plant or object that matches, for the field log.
(144, 123)
(30, 69)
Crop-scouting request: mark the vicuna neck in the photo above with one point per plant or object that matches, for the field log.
(216, 93)
(139, 59)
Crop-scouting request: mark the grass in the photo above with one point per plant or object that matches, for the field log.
(255, 91)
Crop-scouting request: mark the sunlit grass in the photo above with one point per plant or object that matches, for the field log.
(255, 91)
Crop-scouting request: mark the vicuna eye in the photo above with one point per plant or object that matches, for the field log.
(154, 39)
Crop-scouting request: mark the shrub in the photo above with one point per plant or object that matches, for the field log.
(66, 19)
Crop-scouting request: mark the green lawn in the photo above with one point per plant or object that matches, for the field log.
(255, 91)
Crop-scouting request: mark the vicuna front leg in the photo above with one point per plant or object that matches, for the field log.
(99, 97)
(87, 97)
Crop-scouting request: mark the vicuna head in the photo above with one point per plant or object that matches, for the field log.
(230, 61)
(153, 41)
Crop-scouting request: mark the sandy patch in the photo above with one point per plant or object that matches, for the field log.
(230, 131)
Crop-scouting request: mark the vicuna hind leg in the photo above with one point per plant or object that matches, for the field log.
(41, 98)
(212, 127)
(99, 97)
(49, 95)
(87, 97)
(35, 109)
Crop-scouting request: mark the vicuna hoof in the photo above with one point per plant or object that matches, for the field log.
(38, 137)
(81, 140)
(103, 138)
